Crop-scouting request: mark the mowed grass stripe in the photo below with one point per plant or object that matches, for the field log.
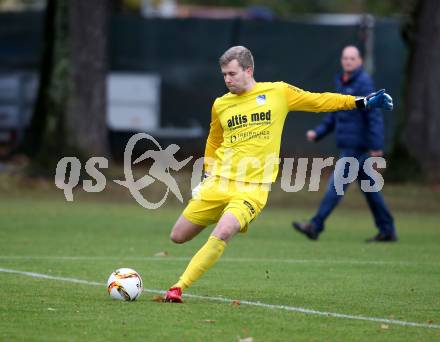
(227, 300)
(226, 259)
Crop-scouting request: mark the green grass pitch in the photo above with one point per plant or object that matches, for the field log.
(272, 265)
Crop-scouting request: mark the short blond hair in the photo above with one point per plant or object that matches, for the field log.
(242, 54)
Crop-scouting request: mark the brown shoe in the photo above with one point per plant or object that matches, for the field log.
(306, 228)
(381, 237)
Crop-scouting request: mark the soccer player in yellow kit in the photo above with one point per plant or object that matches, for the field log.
(241, 156)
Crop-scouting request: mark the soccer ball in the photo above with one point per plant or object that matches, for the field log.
(124, 284)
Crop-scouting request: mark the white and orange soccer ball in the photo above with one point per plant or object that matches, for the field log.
(125, 284)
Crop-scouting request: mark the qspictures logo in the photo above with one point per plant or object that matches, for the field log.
(346, 171)
(163, 161)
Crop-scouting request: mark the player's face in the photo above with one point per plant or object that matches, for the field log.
(350, 59)
(236, 79)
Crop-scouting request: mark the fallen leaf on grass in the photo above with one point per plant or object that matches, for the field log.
(161, 254)
(384, 326)
(208, 321)
(235, 303)
(246, 339)
(157, 299)
(430, 321)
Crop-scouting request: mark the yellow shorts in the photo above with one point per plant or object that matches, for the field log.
(219, 195)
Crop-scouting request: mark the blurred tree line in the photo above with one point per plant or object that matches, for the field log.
(69, 117)
(420, 127)
(288, 8)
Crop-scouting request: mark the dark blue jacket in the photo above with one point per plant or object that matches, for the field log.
(358, 128)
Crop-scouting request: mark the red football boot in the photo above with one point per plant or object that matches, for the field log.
(174, 295)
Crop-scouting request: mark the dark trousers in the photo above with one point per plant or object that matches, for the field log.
(382, 217)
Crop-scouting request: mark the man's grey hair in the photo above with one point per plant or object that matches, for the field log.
(241, 54)
(353, 47)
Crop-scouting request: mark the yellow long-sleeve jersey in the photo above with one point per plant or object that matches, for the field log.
(245, 132)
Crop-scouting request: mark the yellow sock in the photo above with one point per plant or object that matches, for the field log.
(202, 261)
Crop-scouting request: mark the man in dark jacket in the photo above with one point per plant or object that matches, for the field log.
(359, 134)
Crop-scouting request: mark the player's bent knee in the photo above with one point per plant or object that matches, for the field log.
(184, 230)
(177, 237)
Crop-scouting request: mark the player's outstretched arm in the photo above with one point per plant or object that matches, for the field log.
(379, 99)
